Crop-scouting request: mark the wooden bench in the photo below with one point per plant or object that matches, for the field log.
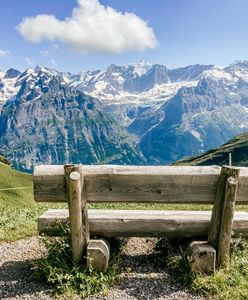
(81, 184)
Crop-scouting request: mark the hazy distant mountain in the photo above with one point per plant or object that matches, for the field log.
(199, 118)
(132, 79)
(125, 89)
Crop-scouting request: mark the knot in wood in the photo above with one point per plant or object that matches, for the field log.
(74, 175)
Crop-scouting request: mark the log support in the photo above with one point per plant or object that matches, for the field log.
(227, 221)
(220, 229)
(142, 223)
(201, 257)
(98, 253)
(78, 216)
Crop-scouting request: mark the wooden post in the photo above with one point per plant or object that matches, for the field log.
(223, 253)
(215, 224)
(79, 228)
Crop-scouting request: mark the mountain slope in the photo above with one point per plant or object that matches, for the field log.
(238, 146)
(131, 80)
(51, 117)
(200, 118)
(8, 85)
(49, 122)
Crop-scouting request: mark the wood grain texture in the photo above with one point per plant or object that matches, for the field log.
(214, 229)
(98, 253)
(74, 189)
(223, 252)
(201, 257)
(142, 223)
(154, 184)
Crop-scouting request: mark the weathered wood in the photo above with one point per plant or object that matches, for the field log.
(201, 257)
(223, 253)
(160, 184)
(142, 223)
(214, 229)
(98, 253)
(78, 222)
(76, 230)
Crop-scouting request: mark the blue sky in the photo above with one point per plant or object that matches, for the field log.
(170, 32)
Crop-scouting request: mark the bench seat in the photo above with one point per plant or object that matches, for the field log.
(141, 223)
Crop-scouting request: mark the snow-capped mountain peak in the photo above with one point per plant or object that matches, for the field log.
(8, 87)
(219, 75)
(142, 67)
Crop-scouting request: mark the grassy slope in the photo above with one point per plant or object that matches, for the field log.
(18, 211)
(238, 146)
(11, 178)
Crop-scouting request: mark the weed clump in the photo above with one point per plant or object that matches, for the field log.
(57, 270)
(227, 283)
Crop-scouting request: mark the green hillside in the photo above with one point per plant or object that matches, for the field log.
(16, 188)
(238, 146)
(18, 211)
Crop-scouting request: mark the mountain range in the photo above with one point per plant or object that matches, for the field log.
(133, 114)
(48, 121)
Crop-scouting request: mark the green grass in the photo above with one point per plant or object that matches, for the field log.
(9, 179)
(18, 223)
(226, 284)
(66, 279)
(18, 210)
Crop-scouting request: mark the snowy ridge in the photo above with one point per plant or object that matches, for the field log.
(142, 67)
(8, 88)
(158, 93)
(138, 84)
(35, 79)
(135, 83)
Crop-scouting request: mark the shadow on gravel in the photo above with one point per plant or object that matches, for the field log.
(143, 263)
(17, 280)
(156, 287)
(147, 276)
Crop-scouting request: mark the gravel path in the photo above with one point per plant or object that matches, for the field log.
(143, 277)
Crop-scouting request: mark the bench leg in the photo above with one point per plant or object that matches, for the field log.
(98, 252)
(201, 257)
(78, 213)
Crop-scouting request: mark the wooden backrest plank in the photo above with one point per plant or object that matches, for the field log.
(154, 184)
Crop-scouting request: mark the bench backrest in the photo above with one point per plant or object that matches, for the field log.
(150, 184)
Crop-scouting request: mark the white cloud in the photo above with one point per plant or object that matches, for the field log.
(49, 54)
(45, 53)
(4, 53)
(92, 28)
(53, 63)
(29, 62)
